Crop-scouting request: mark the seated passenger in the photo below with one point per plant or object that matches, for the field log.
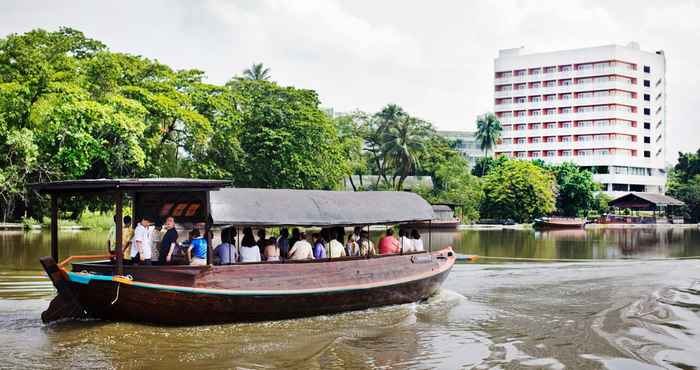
(319, 246)
(366, 246)
(249, 250)
(388, 244)
(335, 248)
(226, 252)
(405, 243)
(197, 251)
(301, 250)
(283, 243)
(417, 242)
(262, 239)
(272, 253)
(351, 246)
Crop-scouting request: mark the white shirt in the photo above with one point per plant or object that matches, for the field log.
(418, 245)
(301, 251)
(250, 254)
(141, 234)
(336, 249)
(406, 244)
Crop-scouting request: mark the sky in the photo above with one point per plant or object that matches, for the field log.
(435, 58)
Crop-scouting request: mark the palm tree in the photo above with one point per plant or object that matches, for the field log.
(401, 144)
(257, 72)
(488, 131)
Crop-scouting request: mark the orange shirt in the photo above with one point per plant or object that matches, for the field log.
(389, 245)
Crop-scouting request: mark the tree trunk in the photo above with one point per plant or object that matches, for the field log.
(352, 183)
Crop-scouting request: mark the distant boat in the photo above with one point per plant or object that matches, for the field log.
(241, 292)
(444, 219)
(554, 223)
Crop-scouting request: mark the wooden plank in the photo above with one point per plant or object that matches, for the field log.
(54, 227)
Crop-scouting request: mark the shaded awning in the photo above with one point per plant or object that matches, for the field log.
(136, 185)
(281, 207)
(638, 200)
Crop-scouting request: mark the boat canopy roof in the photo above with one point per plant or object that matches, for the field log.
(149, 184)
(282, 207)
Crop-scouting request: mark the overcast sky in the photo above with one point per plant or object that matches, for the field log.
(433, 58)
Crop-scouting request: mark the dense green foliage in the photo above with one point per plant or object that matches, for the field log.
(575, 190)
(684, 184)
(71, 109)
(519, 190)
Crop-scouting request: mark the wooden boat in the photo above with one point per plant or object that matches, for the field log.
(554, 223)
(190, 295)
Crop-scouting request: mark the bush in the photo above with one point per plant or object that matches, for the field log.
(29, 223)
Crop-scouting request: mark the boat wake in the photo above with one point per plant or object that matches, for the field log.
(661, 329)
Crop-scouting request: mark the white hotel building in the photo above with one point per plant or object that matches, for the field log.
(603, 108)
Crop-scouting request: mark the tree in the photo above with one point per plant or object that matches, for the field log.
(351, 134)
(684, 184)
(488, 131)
(575, 189)
(287, 141)
(484, 165)
(401, 144)
(257, 72)
(519, 190)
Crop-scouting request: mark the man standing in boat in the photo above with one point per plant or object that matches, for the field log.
(141, 243)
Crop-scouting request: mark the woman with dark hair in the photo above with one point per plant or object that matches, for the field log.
(249, 250)
(319, 246)
(272, 253)
(417, 242)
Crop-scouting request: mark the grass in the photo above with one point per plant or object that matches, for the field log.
(89, 219)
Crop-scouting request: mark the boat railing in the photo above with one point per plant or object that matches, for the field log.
(82, 258)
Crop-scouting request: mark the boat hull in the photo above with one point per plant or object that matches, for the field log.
(148, 302)
(558, 225)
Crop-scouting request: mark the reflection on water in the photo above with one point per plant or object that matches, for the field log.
(639, 314)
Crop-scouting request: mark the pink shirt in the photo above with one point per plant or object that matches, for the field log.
(389, 245)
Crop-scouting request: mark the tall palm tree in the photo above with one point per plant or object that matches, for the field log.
(257, 72)
(401, 144)
(488, 131)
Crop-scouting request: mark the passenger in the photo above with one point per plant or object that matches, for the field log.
(272, 253)
(197, 252)
(319, 246)
(296, 236)
(388, 244)
(351, 246)
(168, 242)
(301, 250)
(127, 236)
(335, 247)
(249, 250)
(112, 236)
(405, 243)
(366, 246)
(356, 233)
(141, 243)
(262, 239)
(283, 243)
(226, 252)
(155, 233)
(417, 242)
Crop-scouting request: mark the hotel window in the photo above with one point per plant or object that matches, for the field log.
(507, 127)
(520, 113)
(584, 109)
(647, 140)
(550, 139)
(535, 99)
(647, 69)
(565, 139)
(647, 125)
(601, 108)
(584, 81)
(550, 97)
(534, 71)
(647, 111)
(647, 154)
(550, 125)
(520, 126)
(566, 82)
(566, 153)
(565, 68)
(566, 96)
(550, 69)
(521, 154)
(601, 93)
(585, 124)
(534, 154)
(520, 72)
(550, 83)
(519, 86)
(507, 141)
(534, 85)
(585, 138)
(602, 152)
(584, 95)
(535, 112)
(549, 153)
(647, 83)
(520, 140)
(603, 79)
(535, 126)
(602, 137)
(603, 122)
(583, 153)
(535, 140)
(647, 97)
(520, 99)
(584, 67)
(602, 65)
(549, 111)
(565, 110)
(566, 124)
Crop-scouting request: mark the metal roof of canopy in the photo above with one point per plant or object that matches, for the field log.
(282, 207)
(99, 185)
(639, 200)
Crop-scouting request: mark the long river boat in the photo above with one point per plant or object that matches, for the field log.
(105, 287)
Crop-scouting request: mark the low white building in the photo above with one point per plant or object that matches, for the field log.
(465, 143)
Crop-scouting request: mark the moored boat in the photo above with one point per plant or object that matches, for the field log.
(189, 295)
(554, 223)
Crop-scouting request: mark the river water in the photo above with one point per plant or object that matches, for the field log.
(629, 303)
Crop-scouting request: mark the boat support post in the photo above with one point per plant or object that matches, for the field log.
(54, 227)
(430, 236)
(207, 228)
(118, 247)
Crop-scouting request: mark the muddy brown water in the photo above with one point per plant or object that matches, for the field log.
(629, 304)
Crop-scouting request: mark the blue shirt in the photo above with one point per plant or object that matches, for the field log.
(224, 251)
(319, 251)
(199, 248)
